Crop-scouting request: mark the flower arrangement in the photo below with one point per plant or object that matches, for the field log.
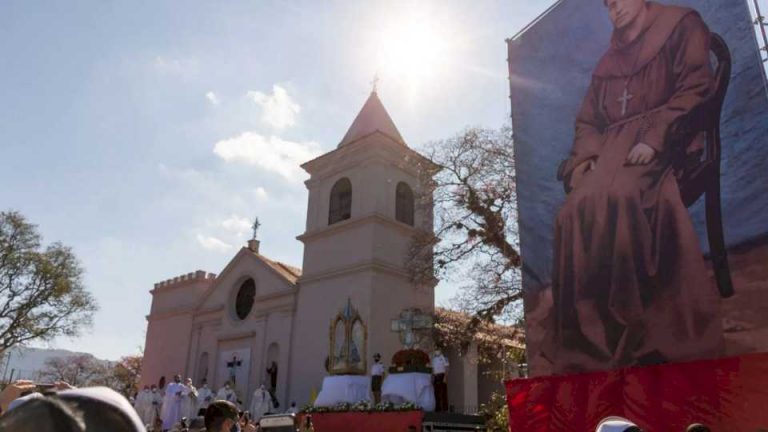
(410, 360)
(361, 406)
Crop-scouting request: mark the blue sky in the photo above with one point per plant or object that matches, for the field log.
(135, 132)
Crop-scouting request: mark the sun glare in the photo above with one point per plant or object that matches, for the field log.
(412, 50)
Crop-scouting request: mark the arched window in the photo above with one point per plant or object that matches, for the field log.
(244, 299)
(202, 368)
(404, 206)
(341, 201)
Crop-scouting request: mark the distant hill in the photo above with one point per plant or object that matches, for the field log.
(27, 362)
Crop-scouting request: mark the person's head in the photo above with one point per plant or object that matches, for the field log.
(188, 381)
(226, 384)
(221, 416)
(623, 12)
(616, 424)
(153, 388)
(177, 379)
(377, 357)
(42, 415)
(697, 427)
(293, 404)
(146, 388)
(88, 409)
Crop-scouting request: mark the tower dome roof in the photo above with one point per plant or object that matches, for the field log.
(372, 117)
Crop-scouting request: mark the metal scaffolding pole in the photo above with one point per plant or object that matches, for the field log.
(761, 24)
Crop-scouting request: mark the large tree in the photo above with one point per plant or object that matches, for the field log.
(126, 374)
(42, 294)
(81, 370)
(475, 241)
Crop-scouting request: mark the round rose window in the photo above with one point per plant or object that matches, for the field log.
(244, 299)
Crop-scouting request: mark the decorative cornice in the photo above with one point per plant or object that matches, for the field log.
(355, 221)
(170, 314)
(365, 149)
(235, 336)
(375, 265)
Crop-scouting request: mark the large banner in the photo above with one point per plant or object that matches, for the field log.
(727, 395)
(641, 143)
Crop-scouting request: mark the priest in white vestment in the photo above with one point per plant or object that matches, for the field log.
(261, 403)
(174, 396)
(226, 393)
(143, 405)
(189, 403)
(204, 397)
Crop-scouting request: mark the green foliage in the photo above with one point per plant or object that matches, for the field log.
(42, 295)
(362, 406)
(496, 413)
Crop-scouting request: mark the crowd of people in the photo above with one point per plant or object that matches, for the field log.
(162, 409)
(178, 407)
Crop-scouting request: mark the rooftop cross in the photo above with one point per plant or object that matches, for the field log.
(255, 228)
(375, 83)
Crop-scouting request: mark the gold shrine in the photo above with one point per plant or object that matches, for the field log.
(348, 351)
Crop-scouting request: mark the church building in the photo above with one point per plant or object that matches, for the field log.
(259, 314)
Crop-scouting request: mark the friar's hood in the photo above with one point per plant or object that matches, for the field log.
(660, 22)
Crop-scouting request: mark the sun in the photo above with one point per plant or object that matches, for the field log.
(412, 49)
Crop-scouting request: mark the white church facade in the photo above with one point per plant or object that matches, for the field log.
(258, 313)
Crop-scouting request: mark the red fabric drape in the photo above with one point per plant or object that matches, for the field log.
(367, 422)
(728, 395)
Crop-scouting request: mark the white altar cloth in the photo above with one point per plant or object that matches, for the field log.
(412, 387)
(344, 388)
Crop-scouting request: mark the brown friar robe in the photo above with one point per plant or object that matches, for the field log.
(629, 281)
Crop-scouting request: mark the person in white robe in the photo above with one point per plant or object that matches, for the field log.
(174, 396)
(204, 397)
(143, 405)
(189, 403)
(261, 403)
(226, 393)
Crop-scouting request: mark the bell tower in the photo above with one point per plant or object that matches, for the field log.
(366, 204)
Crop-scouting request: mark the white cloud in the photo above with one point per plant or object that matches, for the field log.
(261, 194)
(269, 153)
(213, 244)
(212, 98)
(278, 109)
(236, 224)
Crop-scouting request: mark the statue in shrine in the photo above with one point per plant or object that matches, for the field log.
(347, 360)
(348, 343)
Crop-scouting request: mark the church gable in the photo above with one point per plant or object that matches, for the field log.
(249, 278)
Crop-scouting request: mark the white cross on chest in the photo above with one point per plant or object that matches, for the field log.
(624, 99)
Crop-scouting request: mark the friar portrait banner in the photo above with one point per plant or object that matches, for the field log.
(640, 131)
